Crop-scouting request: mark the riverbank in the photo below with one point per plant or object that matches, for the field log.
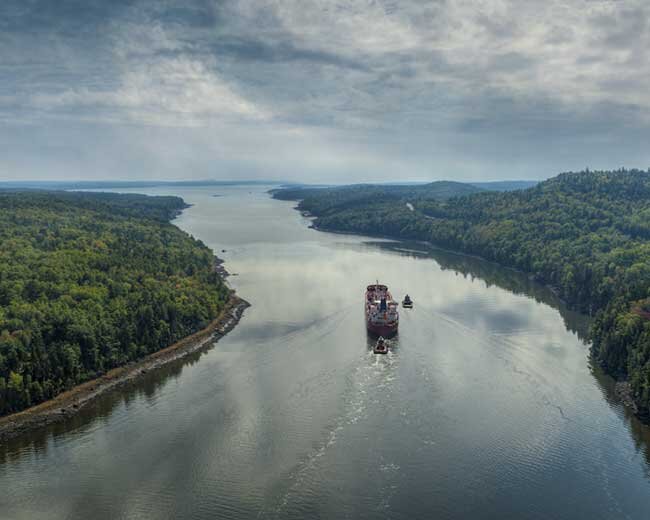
(72, 401)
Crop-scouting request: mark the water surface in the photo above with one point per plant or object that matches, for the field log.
(486, 407)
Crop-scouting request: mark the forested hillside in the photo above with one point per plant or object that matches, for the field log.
(90, 281)
(505, 185)
(340, 197)
(334, 199)
(586, 234)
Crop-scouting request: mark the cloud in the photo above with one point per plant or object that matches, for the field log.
(168, 92)
(471, 89)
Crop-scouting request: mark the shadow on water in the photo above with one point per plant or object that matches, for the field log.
(640, 432)
(99, 410)
(520, 283)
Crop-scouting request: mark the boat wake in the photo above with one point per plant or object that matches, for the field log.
(369, 385)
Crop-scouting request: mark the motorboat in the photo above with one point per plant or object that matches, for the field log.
(407, 303)
(381, 347)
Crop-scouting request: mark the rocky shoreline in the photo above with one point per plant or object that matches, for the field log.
(623, 390)
(71, 402)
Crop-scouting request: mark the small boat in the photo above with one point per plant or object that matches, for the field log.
(381, 347)
(407, 303)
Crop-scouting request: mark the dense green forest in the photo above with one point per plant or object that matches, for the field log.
(585, 234)
(344, 197)
(90, 281)
(353, 195)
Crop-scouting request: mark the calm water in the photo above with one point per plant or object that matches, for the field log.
(486, 408)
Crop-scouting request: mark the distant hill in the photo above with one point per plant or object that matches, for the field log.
(361, 192)
(585, 234)
(108, 185)
(339, 198)
(505, 185)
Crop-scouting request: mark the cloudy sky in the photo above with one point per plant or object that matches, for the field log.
(322, 90)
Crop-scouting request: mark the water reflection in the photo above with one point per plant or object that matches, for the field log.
(640, 432)
(99, 411)
(492, 274)
(520, 283)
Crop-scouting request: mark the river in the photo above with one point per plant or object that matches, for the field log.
(487, 406)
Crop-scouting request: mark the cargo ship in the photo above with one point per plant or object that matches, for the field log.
(382, 317)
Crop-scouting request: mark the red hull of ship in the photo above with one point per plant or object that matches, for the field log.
(386, 331)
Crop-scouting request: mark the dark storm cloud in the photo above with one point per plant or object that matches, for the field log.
(321, 90)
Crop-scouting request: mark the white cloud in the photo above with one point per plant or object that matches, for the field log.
(168, 91)
(526, 49)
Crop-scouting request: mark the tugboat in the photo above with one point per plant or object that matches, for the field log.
(382, 318)
(407, 303)
(381, 347)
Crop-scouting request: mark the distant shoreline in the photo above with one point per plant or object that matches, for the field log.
(69, 403)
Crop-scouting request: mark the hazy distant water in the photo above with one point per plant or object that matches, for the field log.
(486, 408)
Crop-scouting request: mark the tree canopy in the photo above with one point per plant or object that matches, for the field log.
(90, 281)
